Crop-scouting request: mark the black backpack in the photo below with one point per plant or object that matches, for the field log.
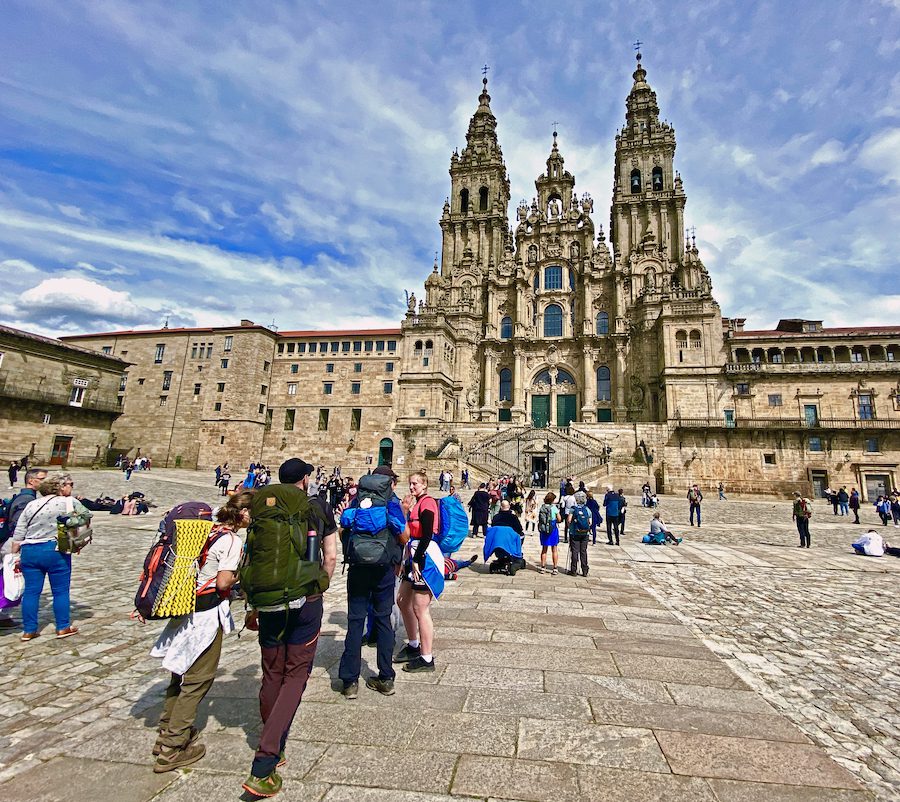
(366, 535)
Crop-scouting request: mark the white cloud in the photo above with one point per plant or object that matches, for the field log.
(881, 155)
(831, 152)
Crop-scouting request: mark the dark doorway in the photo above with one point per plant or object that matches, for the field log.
(539, 467)
(386, 451)
(60, 452)
(819, 481)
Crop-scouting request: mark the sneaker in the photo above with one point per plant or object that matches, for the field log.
(407, 653)
(572, 573)
(554, 572)
(263, 786)
(29, 635)
(383, 686)
(418, 664)
(195, 734)
(372, 640)
(170, 759)
(542, 570)
(67, 632)
(475, 556)
(282, 760)
(350, 690)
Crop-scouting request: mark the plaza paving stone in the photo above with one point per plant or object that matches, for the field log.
(732, 668)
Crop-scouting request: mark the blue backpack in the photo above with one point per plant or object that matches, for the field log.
(581, 520)
(453, 526)
(369, 530)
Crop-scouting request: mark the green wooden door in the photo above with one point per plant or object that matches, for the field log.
(540, 411)
(565, 409)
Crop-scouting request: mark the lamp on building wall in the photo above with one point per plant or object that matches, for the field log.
(283, 443)
(695, 455)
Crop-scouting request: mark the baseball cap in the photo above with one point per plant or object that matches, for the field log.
(385, 470)
(293, 470)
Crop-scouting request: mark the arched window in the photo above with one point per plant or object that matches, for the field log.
(564, 377)
(464, 201)
(536, 280)
(417, 349)
(506, 384)
(532, 254)
(681, 339)
(657, 179)
(542, 378)
(602, 323)
(483, 199)
(635, 180)
(553, 278)
(506, 328)
(553, 321)
(604, 385)
(429, 347)
(696, 339)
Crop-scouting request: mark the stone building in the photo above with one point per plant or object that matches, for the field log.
(57, 401)
(542, 347)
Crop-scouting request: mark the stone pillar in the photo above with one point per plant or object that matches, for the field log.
(620, 381)
(518, 396)
(589, 393)
(489, 403)
(664, 230)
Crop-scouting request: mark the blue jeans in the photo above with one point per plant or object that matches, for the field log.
(365, 584)
(845, 507)
(697, 508)
(39, 560)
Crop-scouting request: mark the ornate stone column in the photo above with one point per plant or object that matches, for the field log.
(518, 397)
(489, 402)
(621, 347)
(589, 392)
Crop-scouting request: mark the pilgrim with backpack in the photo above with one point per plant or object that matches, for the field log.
(579, 534)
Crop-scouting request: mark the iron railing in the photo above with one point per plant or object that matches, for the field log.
(59, 398)
(785, 423)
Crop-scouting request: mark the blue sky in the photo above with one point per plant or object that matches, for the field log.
(288, 162)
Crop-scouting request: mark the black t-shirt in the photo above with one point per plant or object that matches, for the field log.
(508, 518)
(321, 517)
(480, 502)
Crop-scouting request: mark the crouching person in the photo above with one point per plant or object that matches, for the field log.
(291, 554)
(190, 645)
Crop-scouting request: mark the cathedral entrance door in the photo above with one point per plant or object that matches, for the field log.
(566, 409)
(540, 411)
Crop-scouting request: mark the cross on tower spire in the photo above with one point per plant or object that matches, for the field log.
(484, 70)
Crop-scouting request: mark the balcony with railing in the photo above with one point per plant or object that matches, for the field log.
(61, 397)
(741, 368)
(820, 424)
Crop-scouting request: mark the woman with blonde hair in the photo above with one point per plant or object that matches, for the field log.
(35, 539)
(414, 598)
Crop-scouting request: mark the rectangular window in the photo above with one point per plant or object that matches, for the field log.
(355, 419)
(292, 388)
(122, 382)
(107, 349)
(323, 420)
(141, 382)
(268, 420)
(354, 388)
(775, 400)
(160, 351)
(856, 356)
(194, 351)
(872, 445)
(295, 368)
(379, 345)
(217, 407)
(312, 348)
(222, 440)
(742, 388)
(392, 346)
(209, 351)
(327, 388)
(866, 406)
(323, 347)
(163, 400)
(301, 348)
(289, 419)
(345, 346)
(263, 389)
(768, 459)
(229, 341)
(76, 397)
(167, 380)
(553, 278)
(388, 367)
(290, 348)
(425, 361)
(357, 346)
(421, 413)
(815, 443)
(329, 367)
(197, 388)
(357, 367)
(777, 358)
(369, 346)
(266, 366)
(891, 356)
(224, 364)
(280, 348)
(335, 347)
(220, 387)
(262, 408)
(388, 388)
(46, 417)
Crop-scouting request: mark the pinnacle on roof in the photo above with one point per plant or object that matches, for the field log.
(642, 99)
(482, 133)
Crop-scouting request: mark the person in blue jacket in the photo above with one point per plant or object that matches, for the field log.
(612, 501)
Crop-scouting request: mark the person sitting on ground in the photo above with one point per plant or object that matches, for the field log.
(506, 517)
(869, 545)
(453, 567)
(660, 534)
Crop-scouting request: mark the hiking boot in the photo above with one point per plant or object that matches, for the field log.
(350, 690)
(383, 686)
(408, 653)
(263, 786)
(195, 734)
(282, 760)
(170, 759)
(418, 664)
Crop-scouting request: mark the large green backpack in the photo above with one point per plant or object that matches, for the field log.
(274, 570)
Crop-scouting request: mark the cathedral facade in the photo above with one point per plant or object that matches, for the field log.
(542, 346)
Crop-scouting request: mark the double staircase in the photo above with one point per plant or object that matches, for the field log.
(511, 451)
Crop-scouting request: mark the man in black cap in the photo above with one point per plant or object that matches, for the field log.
(370, 589)
(288, 631)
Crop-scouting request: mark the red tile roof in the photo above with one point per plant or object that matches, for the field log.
(341, 333)
(823, 332)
